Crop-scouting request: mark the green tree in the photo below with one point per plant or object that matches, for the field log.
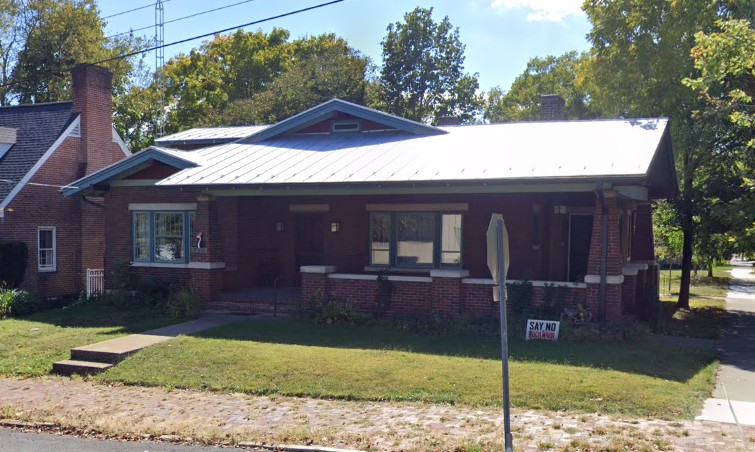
(549, 75)
(640, 55)
(322, 67)
(57, 35)
(422, 77)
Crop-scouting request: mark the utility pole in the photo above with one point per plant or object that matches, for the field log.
(159, 62)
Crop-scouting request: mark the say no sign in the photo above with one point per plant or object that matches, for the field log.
(542, 329)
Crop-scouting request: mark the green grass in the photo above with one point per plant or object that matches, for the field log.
(375, 363)
(700, 286)
(29, 345)
(707, 305)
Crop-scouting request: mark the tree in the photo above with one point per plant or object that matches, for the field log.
(549, 75)
(322, 68)
(422, 77)
(247, 78)
(641, 53)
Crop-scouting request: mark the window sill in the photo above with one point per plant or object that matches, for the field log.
(195, 265)
(381, 268)
(47, 270)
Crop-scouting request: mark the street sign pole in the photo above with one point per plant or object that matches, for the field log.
(499, 229)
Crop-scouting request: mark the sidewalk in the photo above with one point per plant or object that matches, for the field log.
(733, 399)
(135, 412)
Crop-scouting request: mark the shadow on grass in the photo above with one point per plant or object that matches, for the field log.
(132, 319)
(645, 358)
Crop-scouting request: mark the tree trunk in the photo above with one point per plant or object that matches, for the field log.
(688, 232)
(710, 269)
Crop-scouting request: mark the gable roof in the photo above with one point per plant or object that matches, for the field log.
(131, 165)
(37, 126)
(332, 107)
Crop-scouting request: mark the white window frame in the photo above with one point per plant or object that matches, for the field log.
(54, 249)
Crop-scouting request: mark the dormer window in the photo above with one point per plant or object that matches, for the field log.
(341, 126)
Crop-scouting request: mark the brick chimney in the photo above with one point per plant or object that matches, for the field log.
(93, 97)
(552, 108)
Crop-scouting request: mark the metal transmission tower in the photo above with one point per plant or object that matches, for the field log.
(160, 61)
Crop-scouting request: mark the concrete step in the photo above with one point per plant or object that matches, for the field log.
(116, 350)
(72, 366)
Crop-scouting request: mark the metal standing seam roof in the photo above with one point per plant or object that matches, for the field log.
(201, 135)
(535, 150)
(37, 127)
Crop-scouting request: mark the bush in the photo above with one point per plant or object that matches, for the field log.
(119, 299)
(124, 276)
(519, 297)
(16, 302)
(183, 303)
(153, 291)
(327, 310)
(13, 259)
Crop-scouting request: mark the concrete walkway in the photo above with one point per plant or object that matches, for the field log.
(734, 397)
(101, 356)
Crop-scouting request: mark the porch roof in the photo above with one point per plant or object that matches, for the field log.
(566, 150)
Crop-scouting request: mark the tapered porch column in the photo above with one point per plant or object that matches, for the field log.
(207, 262)
(607, 307)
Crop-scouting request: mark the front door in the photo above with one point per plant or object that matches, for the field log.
(310, 243)
(580, 235)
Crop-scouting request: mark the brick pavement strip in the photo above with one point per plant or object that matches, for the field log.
(233, 418)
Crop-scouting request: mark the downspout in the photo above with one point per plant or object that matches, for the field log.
(603, 251)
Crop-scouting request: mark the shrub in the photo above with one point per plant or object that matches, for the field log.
(153, 291)
(383, 293)
(327, 310)
(519, 297)
(16, 302)
(120, 299)
(183, 303)
(13, 259)
(125, 277)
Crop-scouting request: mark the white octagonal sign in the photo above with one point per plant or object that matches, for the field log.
(493, 248)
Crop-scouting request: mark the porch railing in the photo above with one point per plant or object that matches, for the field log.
(95, 281)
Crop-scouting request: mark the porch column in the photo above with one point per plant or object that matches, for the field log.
(207, 253)
(446, 291)
(614, 276)
(642, 239)
(314, 281)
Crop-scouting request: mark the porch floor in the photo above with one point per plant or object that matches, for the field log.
(258, 300)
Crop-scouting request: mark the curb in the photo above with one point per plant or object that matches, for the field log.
(293, 448)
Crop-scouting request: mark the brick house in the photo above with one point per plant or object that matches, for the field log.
(332, 197)
(44, 147)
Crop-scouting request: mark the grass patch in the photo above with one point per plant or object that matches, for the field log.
(707, 305)
(29, 345)
(375, 363)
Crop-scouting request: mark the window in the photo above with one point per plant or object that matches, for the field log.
(345, 126)
(46, 249)
(416, 239)
(163, 237)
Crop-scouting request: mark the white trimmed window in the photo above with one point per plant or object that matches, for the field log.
(416, 239)
(46, 246)
(163, 237)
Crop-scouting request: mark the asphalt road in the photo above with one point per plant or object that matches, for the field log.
(16, 441)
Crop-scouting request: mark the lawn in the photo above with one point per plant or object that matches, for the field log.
(29, 345)
(376, 363)
(707, 305)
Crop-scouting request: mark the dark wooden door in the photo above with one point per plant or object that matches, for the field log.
(580, 235)
(310, 243)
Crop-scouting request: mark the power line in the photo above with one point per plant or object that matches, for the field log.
(182, 18)
(126, 55)
(132, 10)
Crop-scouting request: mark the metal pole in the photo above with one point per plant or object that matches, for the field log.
(504, 336)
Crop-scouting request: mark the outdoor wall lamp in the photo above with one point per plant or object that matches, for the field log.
(335, 227)
(280, 227)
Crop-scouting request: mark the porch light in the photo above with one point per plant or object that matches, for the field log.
(335, 227)
(280, 227)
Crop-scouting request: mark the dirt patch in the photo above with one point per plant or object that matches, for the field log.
(213, 418)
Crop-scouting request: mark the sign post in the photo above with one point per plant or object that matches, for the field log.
(498, 263)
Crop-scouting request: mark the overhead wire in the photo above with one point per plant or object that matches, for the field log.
(151, 5)
(267, 19)
(182, 18)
